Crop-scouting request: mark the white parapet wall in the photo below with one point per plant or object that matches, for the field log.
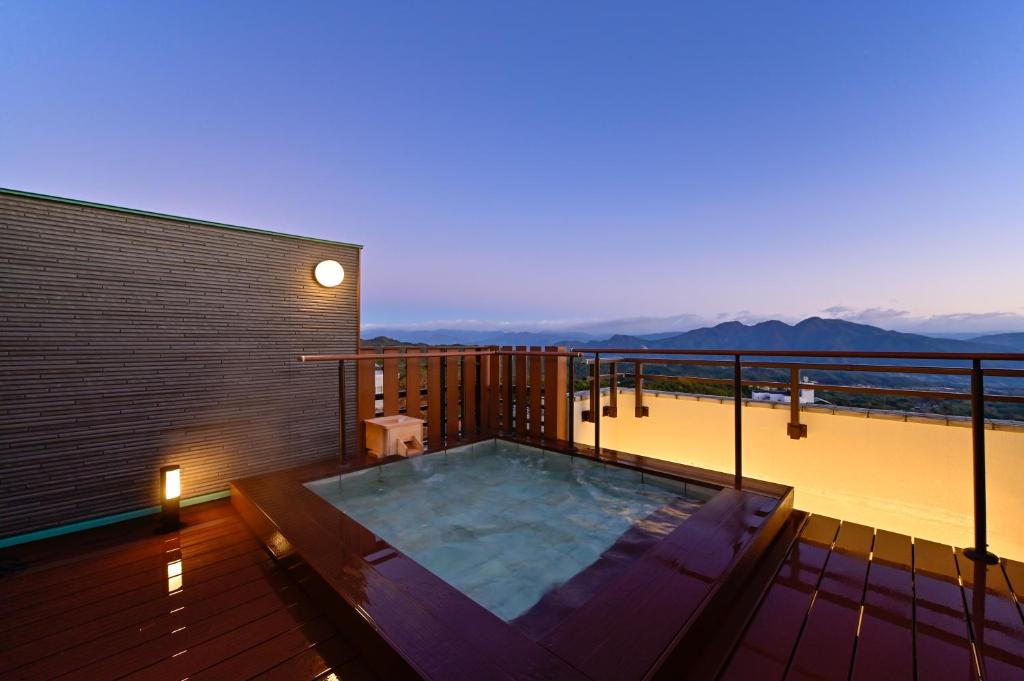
(908, 474)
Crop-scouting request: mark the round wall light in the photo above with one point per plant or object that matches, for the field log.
(329, 273)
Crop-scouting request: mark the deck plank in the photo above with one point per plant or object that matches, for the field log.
(825, 648)
(885, 645)
(329, 655)
(997, 627)
(942, 634)
(237, 611)
(765, 649)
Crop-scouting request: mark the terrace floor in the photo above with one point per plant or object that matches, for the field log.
(101, 605)
(853, 603)
(847, 603)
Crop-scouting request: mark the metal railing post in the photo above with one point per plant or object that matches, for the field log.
(979, 552)
(341, 409)
(570, 412)
(737, 386)
(595, 403)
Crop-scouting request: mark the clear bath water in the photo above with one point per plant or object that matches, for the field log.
(501, 522)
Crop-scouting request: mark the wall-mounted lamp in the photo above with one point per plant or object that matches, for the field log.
(329, 273)
(170, 498)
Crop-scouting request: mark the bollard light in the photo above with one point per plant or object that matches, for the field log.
(329, 273)
(170, 498)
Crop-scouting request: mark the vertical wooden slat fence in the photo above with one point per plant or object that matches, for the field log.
(520, 406)
(435, 432)
(451, 397)
(469, 392)
(391, 383)
(504, 386)
(469, 395)
(365, 398)
(535, 390)
(413, 383)
(555, 386)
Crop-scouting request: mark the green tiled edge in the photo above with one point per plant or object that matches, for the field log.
(105, 520)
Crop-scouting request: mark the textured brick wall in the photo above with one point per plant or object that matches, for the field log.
(130, 341)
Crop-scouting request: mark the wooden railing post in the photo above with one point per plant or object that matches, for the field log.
(795, 429)
(612, 410)
(554, 395)
(366, 401)
(639, 410)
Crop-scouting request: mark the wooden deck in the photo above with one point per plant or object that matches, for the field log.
(108, 603)
(853, 603)
(847, 603)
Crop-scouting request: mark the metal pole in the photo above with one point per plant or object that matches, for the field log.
(595, 403)
(444, 399)
(571, 410)
(341, 409)
(979, 552)
(737, 387)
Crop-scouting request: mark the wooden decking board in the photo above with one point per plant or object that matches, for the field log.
(245, 609)
(126, 608)
(95, 641)
(826, 645)
(244, 615)
(326, 656)
(943, 637)
(885, 644)
(270, 653)
(1014, 573)
(189, 660)
(97, 574)
(46, 580)
(996, 626)
(48, 556)
(771, 637)
(921, 616)
(136, 587)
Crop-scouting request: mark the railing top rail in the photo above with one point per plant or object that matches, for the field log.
(964, 356)
(377, 356)
(362, 357)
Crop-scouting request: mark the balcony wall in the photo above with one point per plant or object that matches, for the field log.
(906, 474)
(129, 340)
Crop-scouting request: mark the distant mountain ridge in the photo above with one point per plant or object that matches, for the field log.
(813, 333)
(1009, 340)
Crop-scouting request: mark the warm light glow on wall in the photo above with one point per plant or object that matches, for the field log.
(329, 273)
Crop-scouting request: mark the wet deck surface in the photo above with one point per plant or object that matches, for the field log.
(109, 603)
(847, 603)
(853, 603)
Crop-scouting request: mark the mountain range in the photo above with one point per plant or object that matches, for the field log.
(813, 333)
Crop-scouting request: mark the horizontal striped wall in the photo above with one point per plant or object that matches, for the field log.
(129, 341)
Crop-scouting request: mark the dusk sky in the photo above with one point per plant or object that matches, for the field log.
(542, 164)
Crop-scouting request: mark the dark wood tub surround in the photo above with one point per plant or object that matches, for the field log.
(412, 624)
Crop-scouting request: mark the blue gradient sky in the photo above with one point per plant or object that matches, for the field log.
(533, 162)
